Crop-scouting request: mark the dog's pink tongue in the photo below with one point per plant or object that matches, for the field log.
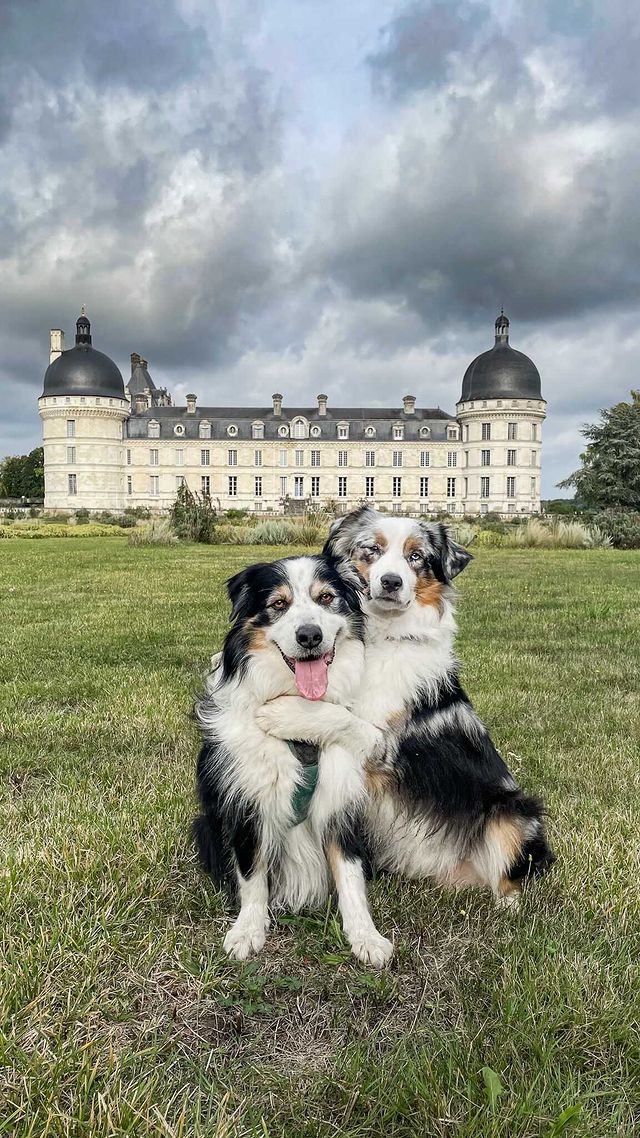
(312, 677)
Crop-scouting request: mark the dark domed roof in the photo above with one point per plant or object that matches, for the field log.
(502, 372)
(83, 370)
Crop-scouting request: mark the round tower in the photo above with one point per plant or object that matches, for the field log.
(83, 408)
(501, 412)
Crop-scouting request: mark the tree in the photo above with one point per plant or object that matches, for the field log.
(23, 475)
(609, 477)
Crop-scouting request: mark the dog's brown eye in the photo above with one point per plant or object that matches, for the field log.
(279, 604)
(326, 598)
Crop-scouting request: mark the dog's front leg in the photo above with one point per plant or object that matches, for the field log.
(292, 717)
(248, 933)
(366, 942)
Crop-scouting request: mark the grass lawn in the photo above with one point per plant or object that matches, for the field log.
(118, 1013)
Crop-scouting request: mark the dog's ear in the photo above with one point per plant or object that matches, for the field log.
(448, 557)
(344, 529)
(239, 589)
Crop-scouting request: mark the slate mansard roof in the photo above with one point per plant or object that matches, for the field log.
(384, 419)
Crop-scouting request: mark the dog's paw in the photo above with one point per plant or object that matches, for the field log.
(243, 941)
(509, 901)
(372, 948)
(280, 717)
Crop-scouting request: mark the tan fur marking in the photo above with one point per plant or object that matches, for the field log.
(283, 592)
(462, 876)
(377, 780)
(507, 834)
(333, 854)
(397, 718)
(507, 888)
(257, 639)
(429, 592)
(319, 587)
(363, 568)
(380, 540)
(411, 544)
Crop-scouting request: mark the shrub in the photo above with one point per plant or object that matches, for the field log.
(622, 527)
(126, 522)
(55, 519)
(557, 534)
(464, 533)
(488, 538)
(272, 533)
(309, 533)
(233, 535)
(137, 512)
(158, 532)
(66, 531)
(192, 516)
(234, 517)
(82, 517)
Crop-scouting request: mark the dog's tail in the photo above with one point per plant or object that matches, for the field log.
(211, 850)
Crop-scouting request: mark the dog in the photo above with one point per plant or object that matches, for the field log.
(281, 821)
(442, 804)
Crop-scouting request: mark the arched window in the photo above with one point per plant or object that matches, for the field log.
(299, 429)
(205, 429)
(153, 429)
(257, 430)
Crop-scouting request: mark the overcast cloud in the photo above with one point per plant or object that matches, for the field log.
(290, 196)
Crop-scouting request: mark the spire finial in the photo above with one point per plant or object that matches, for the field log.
(83, 310)
(83, 327)
(502, 328)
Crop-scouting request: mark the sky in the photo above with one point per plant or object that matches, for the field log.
(306, 195)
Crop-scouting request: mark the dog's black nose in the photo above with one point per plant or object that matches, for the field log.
(309, 635)
(391, 582)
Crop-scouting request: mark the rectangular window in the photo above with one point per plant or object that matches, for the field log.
(180, 480)
(398, 432)
(257, 486)
(71, 428)
(343, 457)
(452, 458)
(511, 458)
(154, 457)
(484, 508)
(512, 431)
(205, 457)
(484, 487)
(233, 485)
(534, 457)
(232, 458)
(342, 487)
(129, 456)
(534, 432)
(425, 458)
(315, 458)
(369, 458)
(397, 487)
(154, 485)
(315, 486)
(533, 487)
(282, 459)
(299, 458)
(179, 458)
(205, 485)
(257, 430)
(451, 487)
(485, 458)
(486, 432)
(73, 483)
(129, 484)
(343, 431)
(298, 487)
(466, 489)
(257, 458)
(71, 455)
(369, 487)
(511, 487)
(283, 485)
(424, 487)
(396, 458)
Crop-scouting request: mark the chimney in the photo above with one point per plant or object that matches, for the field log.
(135, 360)
(144, 364)
(56, 344)
(277, 404)
(191, 404)
(322, 404)
(409, 404)
(141, 402)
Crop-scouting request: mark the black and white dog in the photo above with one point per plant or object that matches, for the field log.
(442, 804)
(278, 828)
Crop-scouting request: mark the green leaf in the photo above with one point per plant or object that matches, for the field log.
(564, 1120)
(493, 1085)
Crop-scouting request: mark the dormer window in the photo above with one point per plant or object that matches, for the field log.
(257, 430)
(425, 432)
(299, 429)
(283, 431)
(452, 433)
(179, 430)
(153, 430)
(398, 431)
(232, 430)
(205, 429)
(315, 432)
(343, 430)
(370, 431)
